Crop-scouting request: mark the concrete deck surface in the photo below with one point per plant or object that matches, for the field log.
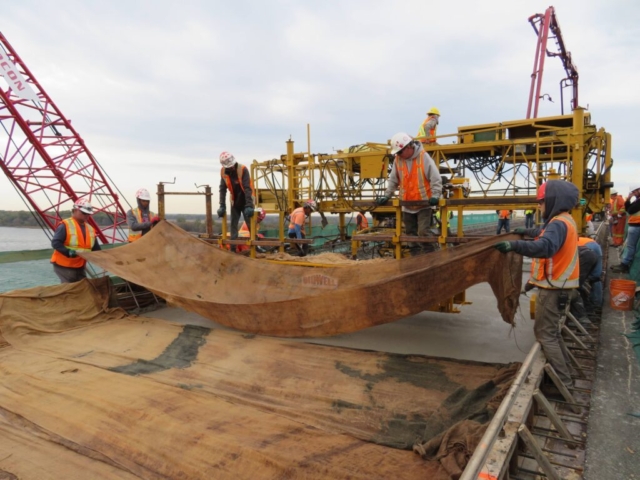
(613, 440)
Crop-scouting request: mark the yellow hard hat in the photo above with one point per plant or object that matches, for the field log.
(433, 111)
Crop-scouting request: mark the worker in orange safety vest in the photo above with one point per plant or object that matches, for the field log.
(417, 177)
(618, 218)
(427, 130)
(296, 224)
(72, 236)
(361, 222)
(632, 208)
(503, 220)
(236, 179)
(245, 231)
(555, 269)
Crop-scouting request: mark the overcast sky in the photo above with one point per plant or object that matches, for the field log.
(159, 88)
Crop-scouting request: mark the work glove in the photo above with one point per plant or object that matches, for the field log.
(433, 201)
(520, 230)
(222, 211)
(155, 220)
(583, 202)
(382, 200)
(248, 212)
(73, 254)
(503, 247)
(528, 287)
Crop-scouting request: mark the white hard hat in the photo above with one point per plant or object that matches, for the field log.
(399, 141)
(84, 206)
(311, 204)
(227, 160)
(614, 191)
(143, 194)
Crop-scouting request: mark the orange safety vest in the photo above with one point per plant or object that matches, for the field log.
(133, 235)
(617, 205)
(244, 230)
(504, 214)
(75, 241)
(414, 185)
(582, 241)
(562, 271)
(423, 133)
(588, 217)
(364, 223)
(297, 218)
(227, 180)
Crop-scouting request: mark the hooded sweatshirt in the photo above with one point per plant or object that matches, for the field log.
(560, 196)
(136, 226)
(430, 170)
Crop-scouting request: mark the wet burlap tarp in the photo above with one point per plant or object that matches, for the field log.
(88, 392)
(294, 301)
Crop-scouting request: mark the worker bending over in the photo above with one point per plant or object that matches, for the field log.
(141, 220)
(73, 235)
(235, 178)
(296, 224)
(555, 269)
(427, 131)
(417, 177)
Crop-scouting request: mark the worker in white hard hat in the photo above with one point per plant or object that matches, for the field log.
(427, 131)
(297, 221)
(72, 236)
(417, 177)
(141, 220)
(236, 179)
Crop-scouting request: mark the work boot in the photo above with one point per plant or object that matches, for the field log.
(622, 268)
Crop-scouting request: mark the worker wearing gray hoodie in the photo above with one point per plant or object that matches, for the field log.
(555, 269)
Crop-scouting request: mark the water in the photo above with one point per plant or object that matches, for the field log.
(25, 274)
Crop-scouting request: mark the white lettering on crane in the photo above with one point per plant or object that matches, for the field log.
(16, 81)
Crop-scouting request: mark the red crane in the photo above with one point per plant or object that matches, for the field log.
(543, 24)
(45, 158)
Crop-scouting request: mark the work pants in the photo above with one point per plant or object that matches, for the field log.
(528, 220)
(69, 275)
(633, 237)
(547, 331)
(419, 224)
(503, 222)
(235, 220)
(595, 275)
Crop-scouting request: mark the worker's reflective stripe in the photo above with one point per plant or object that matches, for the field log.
(528, 212)
(635, 218)
(561, 270)
(227, 180)
(75, 241)
(414, 185)
(617, 205)
(135, 235)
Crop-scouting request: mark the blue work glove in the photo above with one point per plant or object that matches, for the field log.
(73, 254)
(382, 200)
(520, 230)
(248, 212)
(583, 202)
(503, 247)
(433, 201)
(222, 211)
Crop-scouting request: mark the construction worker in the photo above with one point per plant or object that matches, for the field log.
(427, 131)
(141, 220)
(245, 230)
(439, 222)
(503, 220)
(528, 218)
(416, 175)
(595, 274)
(236, 179)
(555, 269)
(73, 235)
(617, 220)
(632, 208)
(296, 224)
(361, 222)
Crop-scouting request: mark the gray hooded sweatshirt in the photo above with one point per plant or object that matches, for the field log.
(560, 196)
(430, 169)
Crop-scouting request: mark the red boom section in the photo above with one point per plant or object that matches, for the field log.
(546, 26)
(45, 158)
